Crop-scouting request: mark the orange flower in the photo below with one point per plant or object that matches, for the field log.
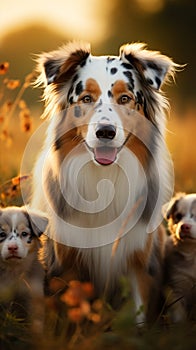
(85, 307)
(75, 284)
(16, 180)
(75, 314)
(72, 296)
(22, 104)
(4, 135)
(3, 196)
(57, 284)
(4, 68)
(26, 121)
(12, 84)
(97, 305)
(88, 290)
(26, 126)
(95, 318)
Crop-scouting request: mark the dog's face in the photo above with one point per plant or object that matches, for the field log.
(19, 231)
(181, 216)
(102, 85)
(101, 93)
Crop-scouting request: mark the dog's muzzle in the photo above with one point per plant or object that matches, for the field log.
(105, 152)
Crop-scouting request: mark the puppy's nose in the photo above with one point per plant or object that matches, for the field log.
(105, 132)
(185, 228)
(12, 248)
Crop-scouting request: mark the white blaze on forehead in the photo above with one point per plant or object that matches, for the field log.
(14, 220)
(106, 71)
(185, 204)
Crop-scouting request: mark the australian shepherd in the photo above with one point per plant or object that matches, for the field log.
(21, 273)
(104, 172)
(180, 257)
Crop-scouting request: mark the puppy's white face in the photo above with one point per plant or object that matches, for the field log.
(183, 216)
(15, 236)
(18, 233)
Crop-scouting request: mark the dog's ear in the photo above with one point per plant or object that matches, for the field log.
(60, 65)
(169, 208)
(153, 67)
(38, 221)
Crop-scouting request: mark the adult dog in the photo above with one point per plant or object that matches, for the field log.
(103, 174)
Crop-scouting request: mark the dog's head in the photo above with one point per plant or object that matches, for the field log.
(19, 232)
(102, 93)
(181, 217)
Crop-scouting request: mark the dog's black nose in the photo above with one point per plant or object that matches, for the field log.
(106, 131)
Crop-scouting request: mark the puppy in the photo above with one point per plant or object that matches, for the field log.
(21, 274)
(180, 259)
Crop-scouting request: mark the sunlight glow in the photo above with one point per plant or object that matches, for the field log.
(151, 6)
(86, 19)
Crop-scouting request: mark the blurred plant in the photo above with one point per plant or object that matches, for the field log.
(10, 191)
(9, 106)
(77, 298)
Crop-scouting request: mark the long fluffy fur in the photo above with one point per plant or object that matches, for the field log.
(86, 252)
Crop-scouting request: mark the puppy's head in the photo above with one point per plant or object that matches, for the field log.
(102, 92)
(181, 217)
(19, 232)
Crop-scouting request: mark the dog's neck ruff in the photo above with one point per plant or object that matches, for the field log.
(98, 199)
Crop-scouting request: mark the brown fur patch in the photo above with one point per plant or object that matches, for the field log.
(139, 149)
(92, 88)
(67, 142)
(68, 69)
(120, 88)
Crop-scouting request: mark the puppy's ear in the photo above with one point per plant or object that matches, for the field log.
(60, 65)
(152, 66)
(169, 208)
(38, 221)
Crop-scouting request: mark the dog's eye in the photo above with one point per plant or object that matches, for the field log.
(24, 234)
(178, 217)
(124, 99)
(2, 234)
(87, 99)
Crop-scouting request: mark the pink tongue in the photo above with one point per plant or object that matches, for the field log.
(105, 155)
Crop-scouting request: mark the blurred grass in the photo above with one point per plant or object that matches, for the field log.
(181, 141)
(116, 330)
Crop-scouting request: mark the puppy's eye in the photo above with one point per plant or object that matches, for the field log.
(178, 217)
(2, 234)
(124, 99)
(24, 234)
(87, 99)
